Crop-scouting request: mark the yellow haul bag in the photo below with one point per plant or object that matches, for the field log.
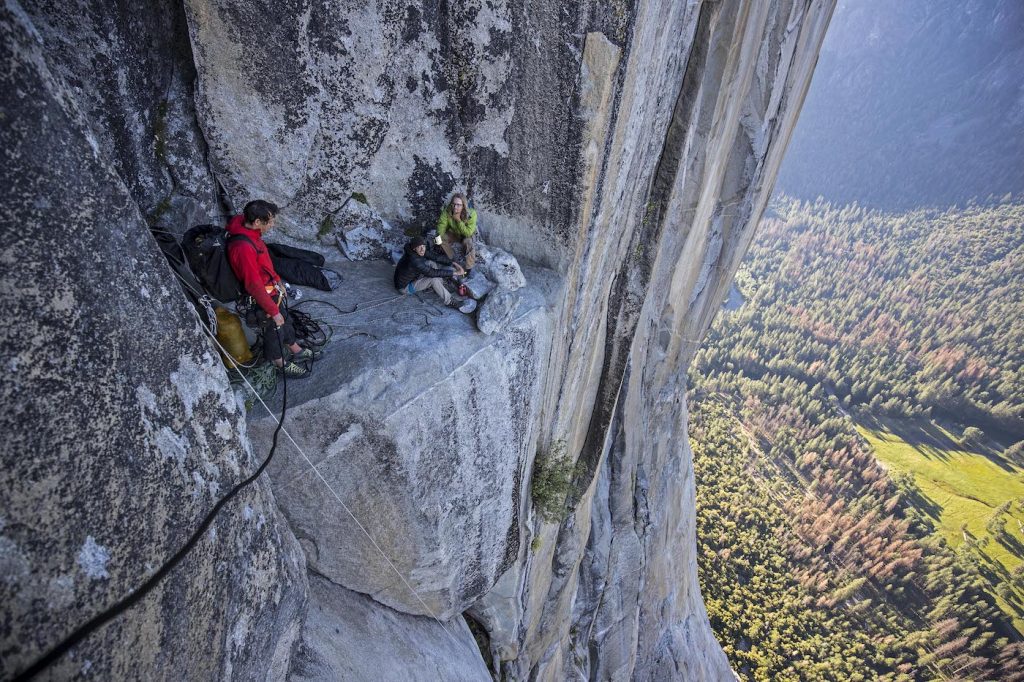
(232, 337)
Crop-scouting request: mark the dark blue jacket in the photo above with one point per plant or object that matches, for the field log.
(413, 266)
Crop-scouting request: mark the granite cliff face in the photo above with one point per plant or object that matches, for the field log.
(623, 150)
(121, 430)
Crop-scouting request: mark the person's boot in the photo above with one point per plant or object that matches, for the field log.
(308, 354)
(455, 302)
(293, 371)
(467, 306)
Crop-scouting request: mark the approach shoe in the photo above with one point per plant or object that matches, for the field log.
(293, 371)
(463, 305)
(308, 354)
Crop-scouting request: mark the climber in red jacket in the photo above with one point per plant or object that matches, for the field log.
(251, 263)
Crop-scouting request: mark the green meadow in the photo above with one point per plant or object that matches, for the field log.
(962, 489)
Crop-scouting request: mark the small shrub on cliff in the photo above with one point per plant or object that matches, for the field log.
(552, 476)
(326, 225)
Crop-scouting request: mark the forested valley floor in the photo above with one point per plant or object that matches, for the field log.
(857, 427)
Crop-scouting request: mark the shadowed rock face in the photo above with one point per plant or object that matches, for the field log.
(131, 75)
(120, 428)
(402, 101)
(628, 146)
(348, 636)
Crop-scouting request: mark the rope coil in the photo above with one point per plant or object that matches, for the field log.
(136, 595)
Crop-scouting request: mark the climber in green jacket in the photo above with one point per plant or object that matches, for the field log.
(457, 224)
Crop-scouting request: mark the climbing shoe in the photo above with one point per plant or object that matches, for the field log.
(293, 371)
(462, 305)
(308, 354)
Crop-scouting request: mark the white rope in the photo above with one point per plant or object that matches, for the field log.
(335, 493)
(213, 337)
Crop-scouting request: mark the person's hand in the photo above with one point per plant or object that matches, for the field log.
(458, 270)
(279, 320)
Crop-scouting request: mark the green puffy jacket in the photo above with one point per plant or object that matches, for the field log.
(463, 228)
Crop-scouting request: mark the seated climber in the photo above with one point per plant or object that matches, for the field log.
(457, 224)
(251, 263)
(415, 273)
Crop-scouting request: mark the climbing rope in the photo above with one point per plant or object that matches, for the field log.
(357, 308)
(306, 328)
(138, 593)
(337, 320)
(345, 507)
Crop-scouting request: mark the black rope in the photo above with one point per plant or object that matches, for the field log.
(120, 607)
(307, 328)
(357, 308)
(318, 301)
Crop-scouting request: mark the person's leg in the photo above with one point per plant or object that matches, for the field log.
(435, 284)
(276, 338)
(446, 245)
(271, 342)
(470, 245)
(438, 286)
(287, 332)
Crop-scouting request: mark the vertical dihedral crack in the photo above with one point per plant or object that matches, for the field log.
(630, 286)
(695, 104)
(190, 74)
(460, 70)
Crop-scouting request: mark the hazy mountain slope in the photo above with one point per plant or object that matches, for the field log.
(914, 103)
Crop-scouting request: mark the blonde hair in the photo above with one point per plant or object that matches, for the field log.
(465, 204)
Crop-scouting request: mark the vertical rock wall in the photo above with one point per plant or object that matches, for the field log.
(120, 430)
(754, 64)
(131, 74)
(612, 593)
(404, 102)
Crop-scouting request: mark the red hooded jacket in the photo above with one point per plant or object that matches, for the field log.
(252, 265)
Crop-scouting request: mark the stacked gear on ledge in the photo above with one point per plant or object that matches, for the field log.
(209, 273)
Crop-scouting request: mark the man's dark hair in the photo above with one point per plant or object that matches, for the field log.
(259, 209)
(417, 241)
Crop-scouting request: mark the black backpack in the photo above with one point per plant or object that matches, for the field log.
(205, 247)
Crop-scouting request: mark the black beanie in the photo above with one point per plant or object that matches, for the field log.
(417, 241)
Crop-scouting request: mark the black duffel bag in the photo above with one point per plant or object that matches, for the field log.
(300, 267)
